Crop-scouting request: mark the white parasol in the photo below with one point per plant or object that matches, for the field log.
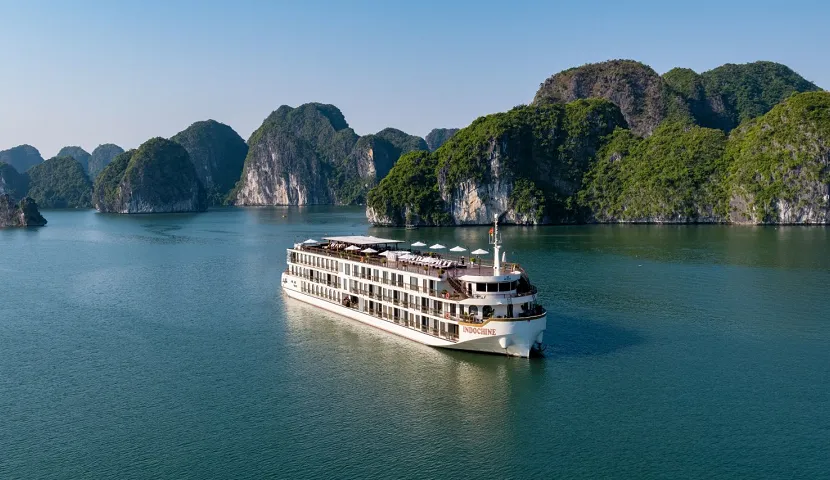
(458, 249)
(480, 252)
(369, 250)
(352, 248)
(437, 246)
(311, 241)
(419, 244)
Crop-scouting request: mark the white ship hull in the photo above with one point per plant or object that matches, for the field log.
(515, 337)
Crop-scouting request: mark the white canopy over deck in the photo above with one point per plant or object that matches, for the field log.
(363, 240)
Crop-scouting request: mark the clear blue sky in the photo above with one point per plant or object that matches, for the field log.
(121, 71)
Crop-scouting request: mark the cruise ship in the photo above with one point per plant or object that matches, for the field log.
(449, 301)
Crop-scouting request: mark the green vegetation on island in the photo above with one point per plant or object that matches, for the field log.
(21, 157)
(720, 98)
(675, 175)
(158, 177)
(12, 182)
(779, 164)
(218, 154)
(60, 183)
(101, 157)
(531, 159)
(439, 136)
(578, 162)
(78, 153)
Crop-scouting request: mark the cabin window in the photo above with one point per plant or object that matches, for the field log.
(481, 287)
(348, 269)
(473, 310)
(492, 287)
(504, 287)
(487, 311)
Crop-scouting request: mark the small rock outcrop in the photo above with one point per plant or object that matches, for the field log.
(23, 214)
(101, 157)
(158, 177)
(21, 157)
(438, 137)
(218, 155)
(60, 183)
(78, 153)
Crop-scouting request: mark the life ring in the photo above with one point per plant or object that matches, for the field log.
(446, 315)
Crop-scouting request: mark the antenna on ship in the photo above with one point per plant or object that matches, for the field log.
(495, 240)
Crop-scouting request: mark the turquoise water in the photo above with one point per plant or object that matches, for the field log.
(160, 346)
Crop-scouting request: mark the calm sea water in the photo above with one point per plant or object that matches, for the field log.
(160, 346)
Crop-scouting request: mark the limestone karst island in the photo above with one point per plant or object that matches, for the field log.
(600, 143)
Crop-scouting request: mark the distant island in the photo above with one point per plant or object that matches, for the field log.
(609, 142)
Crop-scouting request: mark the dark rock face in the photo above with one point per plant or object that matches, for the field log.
(634, 87)
(12, 182)
(309, 155)
(60, 183)
(158, 177)
(24, 214)
(438, 137)
(21, 157)
(78, 153)
(374, 155)
(101, 157)
(218, 155)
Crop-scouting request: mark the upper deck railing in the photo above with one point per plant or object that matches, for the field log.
(463, 266)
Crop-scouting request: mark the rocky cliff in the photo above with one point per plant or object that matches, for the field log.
(60, 183)
(23, 214)
(21, 157)
(218, 155)
(11, 182)
(633, 86)
(309, 155)
(78, 153)
(101, 157)
(158, 177)
(438, 137)
(779, 164)
(525, 165)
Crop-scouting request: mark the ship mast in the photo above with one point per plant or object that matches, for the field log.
(495, 240)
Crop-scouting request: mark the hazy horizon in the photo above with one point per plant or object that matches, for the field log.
(88, 73)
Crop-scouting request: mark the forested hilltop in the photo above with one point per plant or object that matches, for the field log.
(615, 142)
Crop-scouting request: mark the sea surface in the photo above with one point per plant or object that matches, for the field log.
(160, 346)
